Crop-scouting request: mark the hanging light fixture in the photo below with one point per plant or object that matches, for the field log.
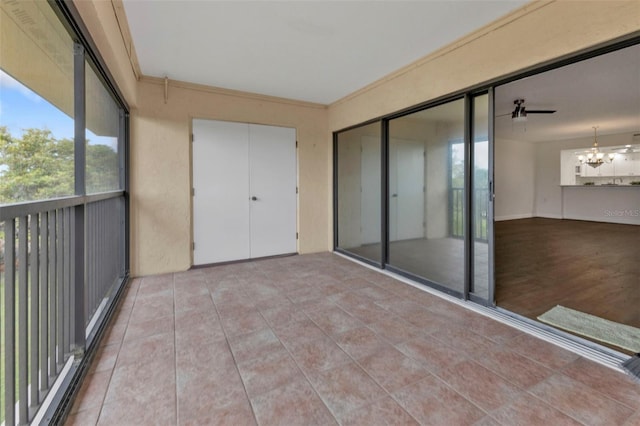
(595, 158)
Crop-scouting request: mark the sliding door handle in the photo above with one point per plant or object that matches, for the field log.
(254, 198)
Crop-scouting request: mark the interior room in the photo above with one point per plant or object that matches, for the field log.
(558, 243)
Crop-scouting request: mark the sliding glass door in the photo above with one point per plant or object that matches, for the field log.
(421, 163)
(413, 195)
(358, 187)
(482, 201)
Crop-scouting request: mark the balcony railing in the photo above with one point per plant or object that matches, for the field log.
(61, 263)
(480, 213)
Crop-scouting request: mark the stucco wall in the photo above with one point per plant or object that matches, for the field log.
(161, 167)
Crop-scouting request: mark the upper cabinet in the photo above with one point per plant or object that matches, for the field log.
(623, 165)
(623, 168)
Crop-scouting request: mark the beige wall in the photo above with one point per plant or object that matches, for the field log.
(160, 162)
(515, 176)
(101, 21)
(161, 167)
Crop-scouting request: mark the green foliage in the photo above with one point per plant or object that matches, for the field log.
(102, 169)
(39, 166)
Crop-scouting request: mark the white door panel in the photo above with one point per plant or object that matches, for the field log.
(370, 190)
(406, 189)
(393, 191)
(272, 171)
(233, 162)
(410, 181)
(221, 184)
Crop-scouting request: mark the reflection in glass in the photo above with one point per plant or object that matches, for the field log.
(426, 183)
(36, 104)
(359, 186)
(103, 124)
(480, 216)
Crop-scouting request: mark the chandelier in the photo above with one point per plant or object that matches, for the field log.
(595, 158)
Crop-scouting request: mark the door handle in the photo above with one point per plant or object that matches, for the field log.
(394, 195)
(254, 198)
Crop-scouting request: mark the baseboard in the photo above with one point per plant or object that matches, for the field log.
(513, 217)
(610, 219)
(550, 216)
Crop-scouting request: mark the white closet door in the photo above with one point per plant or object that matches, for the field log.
(221, 184)
(272, 171)
(410, 189)
(273, 200)
(393, 191)
(406, 188)
(370, 190)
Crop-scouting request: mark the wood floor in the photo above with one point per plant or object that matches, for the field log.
(587, 266)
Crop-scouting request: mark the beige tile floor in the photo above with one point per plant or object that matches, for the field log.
(319, 340)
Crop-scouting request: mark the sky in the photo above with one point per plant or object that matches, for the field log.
(21, 108)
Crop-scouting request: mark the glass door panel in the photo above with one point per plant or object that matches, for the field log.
(359, 187)
(481, 214)
(421, 163)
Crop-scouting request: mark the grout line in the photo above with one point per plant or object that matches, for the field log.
(385, 392)
(302, 371)
(114, 318)
(175, 348)
(226, 339)
(570, 343)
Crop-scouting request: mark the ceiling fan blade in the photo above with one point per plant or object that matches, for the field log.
(503, 115)
(541, 111)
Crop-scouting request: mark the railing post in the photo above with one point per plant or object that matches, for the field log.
(77, 235)
(10, 321)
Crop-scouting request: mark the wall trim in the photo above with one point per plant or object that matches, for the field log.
(612, 219)
(228, 92)
(550, 216)
(125, 33)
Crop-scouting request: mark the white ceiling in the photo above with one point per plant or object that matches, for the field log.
(603, 91)
(317, 51)
(321, 51)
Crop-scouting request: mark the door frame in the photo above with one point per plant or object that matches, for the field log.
(191, 191)
(469, 202)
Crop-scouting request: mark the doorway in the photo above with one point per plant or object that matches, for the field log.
(405, 188)
(567, 219)
(244, 191)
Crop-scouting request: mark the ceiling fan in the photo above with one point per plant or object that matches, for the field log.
(520, 112)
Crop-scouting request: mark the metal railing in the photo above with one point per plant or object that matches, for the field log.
(45, 307)
(480, 213)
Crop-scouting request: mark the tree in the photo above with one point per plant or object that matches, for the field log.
(39, 166)
(102, 169)
(34, 167)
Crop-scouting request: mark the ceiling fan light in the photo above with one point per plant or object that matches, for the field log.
(519, 116)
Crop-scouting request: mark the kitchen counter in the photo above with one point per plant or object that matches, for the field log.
(602, 203)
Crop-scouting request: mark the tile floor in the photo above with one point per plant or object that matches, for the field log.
(319, 340)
